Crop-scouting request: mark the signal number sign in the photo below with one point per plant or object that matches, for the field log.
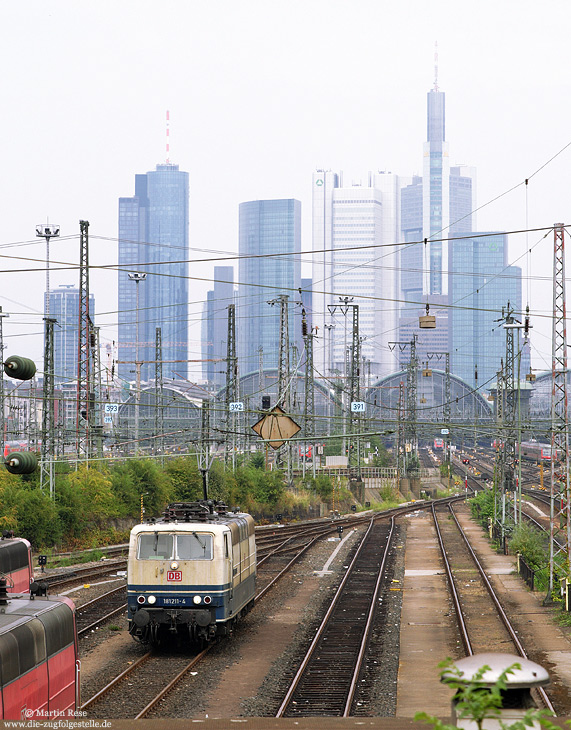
(174, 575)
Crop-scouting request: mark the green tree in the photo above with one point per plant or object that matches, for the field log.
(142, 477)
(185, 479)
(258, 460)
(96, 498)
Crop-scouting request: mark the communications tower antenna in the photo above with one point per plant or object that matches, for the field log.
(560, 493)
(436, 66)
(168, 138)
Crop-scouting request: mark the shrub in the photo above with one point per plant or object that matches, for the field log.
(530, 543)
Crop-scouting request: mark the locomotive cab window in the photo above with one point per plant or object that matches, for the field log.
(194, 546)
(163, 546)
(156, 546)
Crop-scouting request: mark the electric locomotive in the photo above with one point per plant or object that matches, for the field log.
(191, 573)
(16, 563)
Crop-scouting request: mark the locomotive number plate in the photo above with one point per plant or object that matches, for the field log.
(174, 575)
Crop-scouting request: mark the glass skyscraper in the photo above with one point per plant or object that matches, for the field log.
(438, 205)
(354, 231)
(153, 239)
(64, 308)
(480, 284)
(215, 325)
(267, 227)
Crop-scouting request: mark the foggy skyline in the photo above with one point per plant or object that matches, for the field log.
(260, 95)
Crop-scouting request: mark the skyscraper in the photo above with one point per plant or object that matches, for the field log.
(215, 331)
(354, 231)
(153, 239)
(436, 206)
(480, 285)
(64, 308)
(267, 227)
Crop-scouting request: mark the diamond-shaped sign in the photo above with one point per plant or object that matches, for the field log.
(276, 427)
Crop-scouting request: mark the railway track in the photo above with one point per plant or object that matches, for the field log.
(326, 683)
(112, 694)
(482, 628)
(152, 676)
(90, 615)
(281, 554)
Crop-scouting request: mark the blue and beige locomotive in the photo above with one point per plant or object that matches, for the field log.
(192, 573)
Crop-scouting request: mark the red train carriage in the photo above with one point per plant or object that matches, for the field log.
(438, 444)
(39, 665)
(16, 563)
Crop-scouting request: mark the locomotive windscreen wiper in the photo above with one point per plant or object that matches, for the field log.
(199, 541)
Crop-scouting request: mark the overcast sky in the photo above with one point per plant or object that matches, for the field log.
(260, 93)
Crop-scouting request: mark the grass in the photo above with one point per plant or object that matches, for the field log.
(89, 557)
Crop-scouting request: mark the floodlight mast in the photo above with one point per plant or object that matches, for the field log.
(47, 231)
(137, 277)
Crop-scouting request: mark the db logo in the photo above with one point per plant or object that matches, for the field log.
(174, 575)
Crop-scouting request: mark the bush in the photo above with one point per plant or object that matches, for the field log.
(530, 543)
(138, 477)
(482, 506)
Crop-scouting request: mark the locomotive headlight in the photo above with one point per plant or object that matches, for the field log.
(196, 599)
(140, 599)
(152, 599)
(174, 566)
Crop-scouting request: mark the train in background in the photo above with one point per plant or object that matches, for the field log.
(192, 573)
(438, 445)
(10, 446)
(536, 451)
(531, 450)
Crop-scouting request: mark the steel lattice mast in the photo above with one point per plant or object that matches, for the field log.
(204, 451)
(447, 404)
(283, 361)
(82, 410)
(560, 495)
(411, 388)
(95, 391)
(409, 434)
(232, 394)
(48, 420)
(401, 422)
(499, 466)
(159, 420)
(309, 409)
(510, 406)
(2, 419)
(354, 395)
